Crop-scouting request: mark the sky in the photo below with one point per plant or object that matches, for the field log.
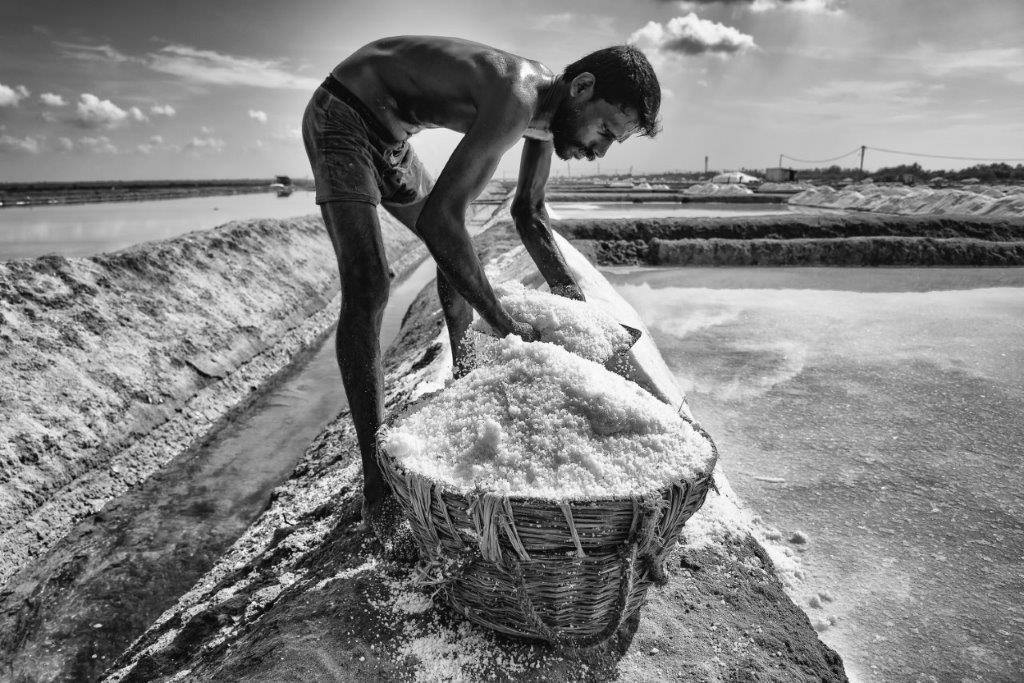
(129, 89)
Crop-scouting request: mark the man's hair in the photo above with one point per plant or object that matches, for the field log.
(623, 77)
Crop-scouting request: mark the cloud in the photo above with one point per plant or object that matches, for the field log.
(207, 144)
(806, 6)
(10, 97)
(1006, 62)
(200, 66)
(93, 53)
(156, 144)
(136, 114)
(287, 134)
(97, 145)
(65, 144)
(92, 112)
(570, 22)
(25, 145)
(209, 66)
(52, 100)
(691, 35)
(257, 115)
(162, 110)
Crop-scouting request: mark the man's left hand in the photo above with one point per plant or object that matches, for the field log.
(569, 291)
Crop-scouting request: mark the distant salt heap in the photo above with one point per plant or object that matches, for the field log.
(577, 326)
(542, 422)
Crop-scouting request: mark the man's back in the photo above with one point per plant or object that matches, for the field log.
(416, 82)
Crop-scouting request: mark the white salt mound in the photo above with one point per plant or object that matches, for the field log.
(539, 421)
(578, 326)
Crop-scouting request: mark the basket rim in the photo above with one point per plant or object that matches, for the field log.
(387, 460)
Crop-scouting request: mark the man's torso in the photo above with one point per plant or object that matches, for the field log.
(414, 82)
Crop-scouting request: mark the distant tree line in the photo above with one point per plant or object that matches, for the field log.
(999, 173)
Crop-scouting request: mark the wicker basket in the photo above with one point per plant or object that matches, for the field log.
(568, 572)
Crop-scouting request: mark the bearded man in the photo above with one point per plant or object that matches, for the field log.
(356, 130)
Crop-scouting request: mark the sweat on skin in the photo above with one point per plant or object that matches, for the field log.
(356, 131)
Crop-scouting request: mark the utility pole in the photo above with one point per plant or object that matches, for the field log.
(780, 161)
(862, 148)
(705, 164)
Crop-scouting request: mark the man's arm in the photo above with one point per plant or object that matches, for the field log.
(531, 218)
(442, 223)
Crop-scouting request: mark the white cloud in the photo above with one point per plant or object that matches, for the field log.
(136, 114)
(65, 144)
(162, 110)
(206, 130)
(1005, 62)
(691, 35)
(200, 66)
(209, 66)
(52, 100)
(570, 22)
(288, 134)
(257, 115)
(805, 6)
(25, 145)
(96, 145)
(155, 144)
(11, 96)
(93, 53)
(207, 144)
(92, 112)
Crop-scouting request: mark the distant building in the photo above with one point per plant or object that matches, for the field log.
(780, 175)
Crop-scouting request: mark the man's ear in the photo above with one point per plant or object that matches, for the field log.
(582, 87)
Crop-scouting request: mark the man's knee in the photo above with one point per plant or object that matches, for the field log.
(366, 290)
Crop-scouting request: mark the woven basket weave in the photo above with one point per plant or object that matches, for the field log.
(568, 572)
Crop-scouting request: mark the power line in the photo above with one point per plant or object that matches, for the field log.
(940, 156)
(896, 151)
(820, 161)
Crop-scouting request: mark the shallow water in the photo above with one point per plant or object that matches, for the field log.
(563, 210)
(118, 570)
(878, 412)
(84, 229)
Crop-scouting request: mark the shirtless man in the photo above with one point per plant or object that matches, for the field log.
(356, 130)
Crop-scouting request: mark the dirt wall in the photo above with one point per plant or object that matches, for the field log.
(112, 365)
(795, 239)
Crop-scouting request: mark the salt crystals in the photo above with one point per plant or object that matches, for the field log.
(578, 326)
(539, 421)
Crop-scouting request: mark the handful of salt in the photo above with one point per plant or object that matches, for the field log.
(577, 326)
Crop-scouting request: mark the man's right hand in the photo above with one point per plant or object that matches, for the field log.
(525, 331)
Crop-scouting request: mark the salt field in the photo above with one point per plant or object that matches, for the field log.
(873, 417)
(561, 210)
(84, 229)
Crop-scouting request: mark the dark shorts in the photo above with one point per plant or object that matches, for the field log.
(352, 160)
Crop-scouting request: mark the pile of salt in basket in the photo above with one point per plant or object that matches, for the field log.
(544, 491)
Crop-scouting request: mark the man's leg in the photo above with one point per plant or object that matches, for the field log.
(365, 286)
(458, 314)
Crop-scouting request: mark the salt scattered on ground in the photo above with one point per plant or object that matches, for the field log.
(579, 326)
(536, 420)
(798, 538)
(716, 189)
(899, 199)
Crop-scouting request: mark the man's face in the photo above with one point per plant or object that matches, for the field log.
(586, 129)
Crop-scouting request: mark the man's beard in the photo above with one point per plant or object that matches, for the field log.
(565, 125)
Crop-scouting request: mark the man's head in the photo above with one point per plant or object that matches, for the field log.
(613, 93)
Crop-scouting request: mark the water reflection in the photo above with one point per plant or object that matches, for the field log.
(84, 229)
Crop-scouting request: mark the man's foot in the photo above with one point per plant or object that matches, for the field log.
(383, 517)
